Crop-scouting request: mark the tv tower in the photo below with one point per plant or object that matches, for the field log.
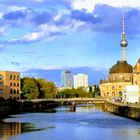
(124, 42)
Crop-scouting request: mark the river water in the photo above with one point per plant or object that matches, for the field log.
(86, 123)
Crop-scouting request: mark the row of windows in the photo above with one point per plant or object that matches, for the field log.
(14, 84)
(120, 78)
(14, 77)
(13, 91)
(114, 87)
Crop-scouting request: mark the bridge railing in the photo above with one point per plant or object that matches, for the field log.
(62, 99)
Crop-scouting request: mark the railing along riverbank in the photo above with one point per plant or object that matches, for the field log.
(128, 110)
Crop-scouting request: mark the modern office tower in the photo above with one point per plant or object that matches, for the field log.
(80, 80)
(9, 85)
(66, 79)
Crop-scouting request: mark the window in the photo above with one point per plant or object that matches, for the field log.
(17, 84)
(1, 91)
(10, 84)
(17, 77)
(1, 84)
(14, 77)
(17, 91)
(10, 77)
(14, 84)
(14, 91)
(1, 77)
(11, 91)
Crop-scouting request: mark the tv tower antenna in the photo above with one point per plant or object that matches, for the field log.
(124, 42)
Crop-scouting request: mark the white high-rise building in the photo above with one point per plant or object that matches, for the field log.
(80, 80)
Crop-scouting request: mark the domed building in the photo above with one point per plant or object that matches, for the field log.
(120, 74)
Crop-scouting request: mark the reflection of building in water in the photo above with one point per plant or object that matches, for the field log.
(9, 129)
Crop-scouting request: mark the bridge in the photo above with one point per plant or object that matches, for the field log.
(68, 100)
(41, 104)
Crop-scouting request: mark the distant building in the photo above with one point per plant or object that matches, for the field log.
(80, 80)
(66, 79)
(9, 85)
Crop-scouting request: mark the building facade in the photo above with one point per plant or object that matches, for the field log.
(80, 80)
(9, 85)
(136, 74)
(66, 79)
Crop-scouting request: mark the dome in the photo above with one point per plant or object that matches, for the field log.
(121, 67)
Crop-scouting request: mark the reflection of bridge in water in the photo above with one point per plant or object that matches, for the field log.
(40, 104)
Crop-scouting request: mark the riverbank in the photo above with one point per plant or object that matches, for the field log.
(126, 110)
(8, 107)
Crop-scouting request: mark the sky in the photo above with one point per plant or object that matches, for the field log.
(41, 38)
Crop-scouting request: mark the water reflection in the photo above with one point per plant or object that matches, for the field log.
(9, 129)
(86, 123)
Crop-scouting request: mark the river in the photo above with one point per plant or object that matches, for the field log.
(86, 123)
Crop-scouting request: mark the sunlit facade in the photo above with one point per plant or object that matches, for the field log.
(9, 85)
(80, 80)
(136, 75)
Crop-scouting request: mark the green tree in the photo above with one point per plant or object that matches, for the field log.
(46, 88)
(29, 88)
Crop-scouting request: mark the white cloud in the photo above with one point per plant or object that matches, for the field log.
(2, 30)
(89, 5)
(41, 1)
(1, 15)
(17, 8)
(33, 36)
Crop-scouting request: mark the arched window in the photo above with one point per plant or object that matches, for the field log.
(14, 77)
(11, 91)
(10, 84)
(10, 77)
(17, 91)
(113, 94)
(17, 77)
(14, 91)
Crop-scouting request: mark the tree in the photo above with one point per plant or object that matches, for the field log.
(29, 88)
(46, 88)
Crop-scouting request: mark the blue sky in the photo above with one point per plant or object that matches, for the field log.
(41, 38)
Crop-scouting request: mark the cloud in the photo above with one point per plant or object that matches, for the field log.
(14, 15)
(38, 1)
(43, 17)
(34, 37)
(49, 24)
(15, 63)
(89, 5)
(2, 47)
(86, 17)
(17, 8)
